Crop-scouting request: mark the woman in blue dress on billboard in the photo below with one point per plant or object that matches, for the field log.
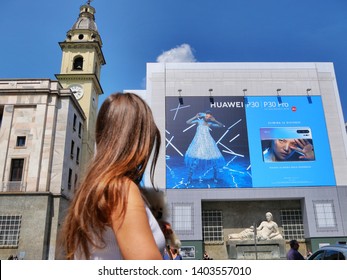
(203, 151)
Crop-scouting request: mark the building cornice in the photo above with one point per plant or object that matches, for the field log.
(81, 77)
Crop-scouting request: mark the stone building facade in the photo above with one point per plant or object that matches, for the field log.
(46, 141)
(41, 139)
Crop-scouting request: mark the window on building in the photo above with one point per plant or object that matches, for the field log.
(74, 122)
(78, 63)
(78, 155)
(183, 218)
(76, 180)
(21, 141)
(292, 223)
(324, 211)
(17, 165)
(1, 114)
(72, 148)
(69, 179)
(80, 130)
(212, 226)
(9, 230)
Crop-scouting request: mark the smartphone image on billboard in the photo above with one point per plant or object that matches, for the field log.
(284, 144)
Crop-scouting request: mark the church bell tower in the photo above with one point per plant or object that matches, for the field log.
(82, 59)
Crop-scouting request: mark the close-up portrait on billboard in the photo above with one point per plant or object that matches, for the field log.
(206, 143)
(286, 144)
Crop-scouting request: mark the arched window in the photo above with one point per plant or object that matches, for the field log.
(78, 63)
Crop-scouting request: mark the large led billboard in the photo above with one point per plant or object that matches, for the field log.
(206, 143)
(232, 142)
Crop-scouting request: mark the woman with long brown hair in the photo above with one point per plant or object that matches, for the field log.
(108, 218)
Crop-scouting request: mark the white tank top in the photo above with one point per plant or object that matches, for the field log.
(111, 250)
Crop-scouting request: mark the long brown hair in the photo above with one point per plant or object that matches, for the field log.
(125, 136)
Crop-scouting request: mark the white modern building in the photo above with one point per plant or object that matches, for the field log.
(256, 102)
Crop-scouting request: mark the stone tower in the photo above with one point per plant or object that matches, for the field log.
(82, 59)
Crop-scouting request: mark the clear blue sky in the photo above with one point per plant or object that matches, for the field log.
(135, 32)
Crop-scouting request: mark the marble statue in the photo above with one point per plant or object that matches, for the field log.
(267, 230)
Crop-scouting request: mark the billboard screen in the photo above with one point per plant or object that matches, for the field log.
(206, 143)
(253, 142)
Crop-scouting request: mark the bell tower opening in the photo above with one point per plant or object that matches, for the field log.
(78, 63)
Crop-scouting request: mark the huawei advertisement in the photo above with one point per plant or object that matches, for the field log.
(253, 142)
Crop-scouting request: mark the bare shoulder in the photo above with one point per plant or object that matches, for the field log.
(133, 202)
(133, 234)
(134, 195)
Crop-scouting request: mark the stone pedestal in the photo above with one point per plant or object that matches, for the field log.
(263, 250)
